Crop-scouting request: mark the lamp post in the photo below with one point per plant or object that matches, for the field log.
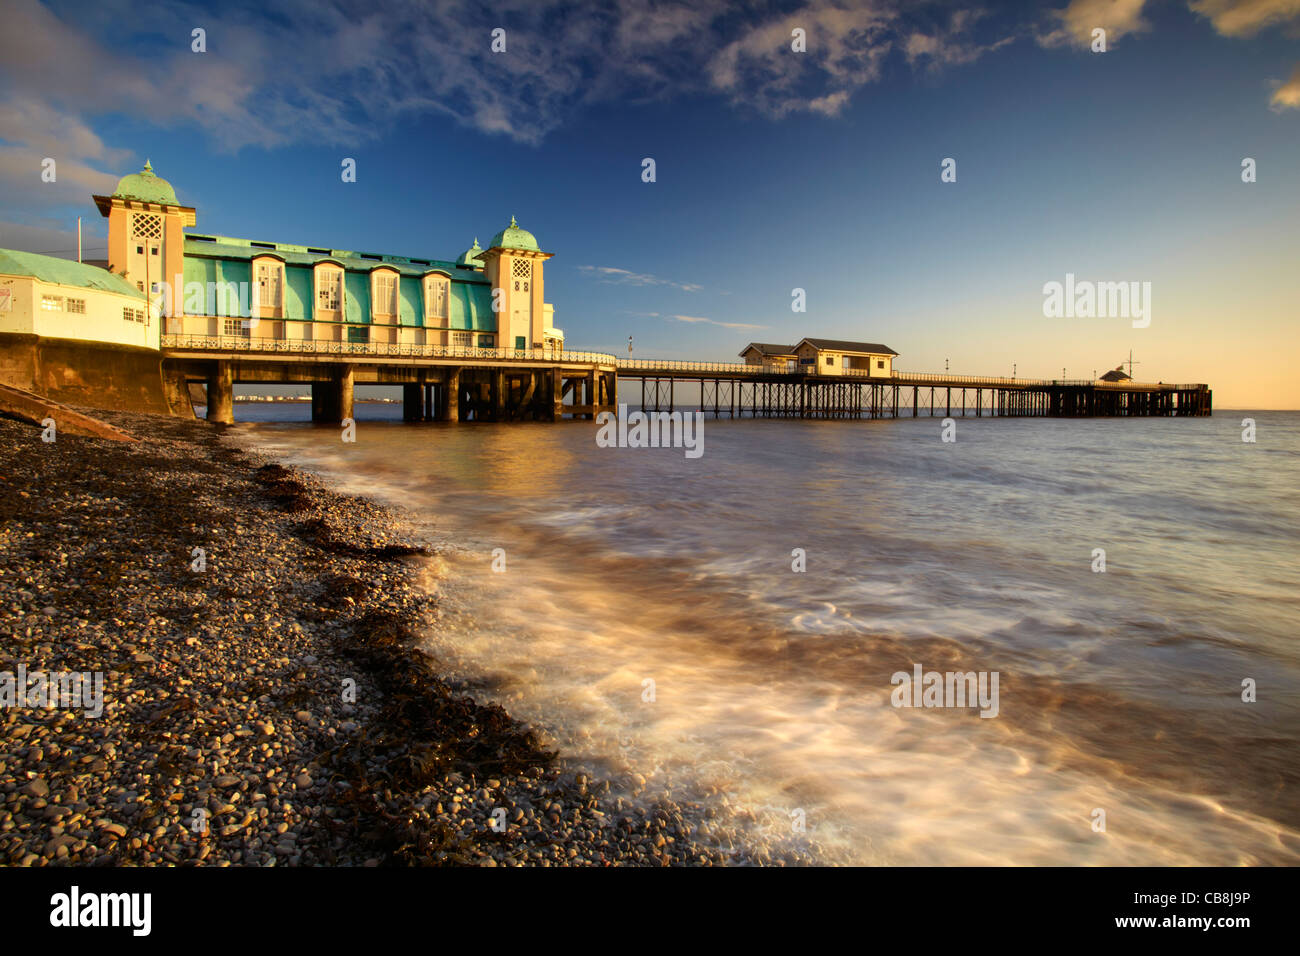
(945, 365)
(1013, 371)
(629, 345)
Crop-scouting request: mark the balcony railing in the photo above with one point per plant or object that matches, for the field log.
(244, 343)
(676, 365)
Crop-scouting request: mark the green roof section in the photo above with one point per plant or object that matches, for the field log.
(512, 237)
(64, 272)
(226, 247)
(146, 187)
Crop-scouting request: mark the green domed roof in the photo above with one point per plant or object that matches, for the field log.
(512, 237)
(146, 187)
(470, 257)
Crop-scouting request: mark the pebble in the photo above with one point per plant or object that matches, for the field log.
(240, 692)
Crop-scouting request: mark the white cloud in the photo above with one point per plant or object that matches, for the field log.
(725, 325)
(627, 277)
(1244, 18)
(1287, 96)
(330, 72)
(1074, 24)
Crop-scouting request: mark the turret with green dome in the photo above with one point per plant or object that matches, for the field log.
(471, 257)
(512, 237)
(146, 187)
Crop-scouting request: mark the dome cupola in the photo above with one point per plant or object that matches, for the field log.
(512, 237)
(470, 258)
(146, 187)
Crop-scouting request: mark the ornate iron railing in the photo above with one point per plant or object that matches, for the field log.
(242, 343)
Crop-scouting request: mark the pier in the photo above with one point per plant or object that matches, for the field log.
(752, 391)
(446, 383)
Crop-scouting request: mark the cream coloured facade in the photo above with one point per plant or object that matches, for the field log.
(57, 299)
(210, 286)
(835, 357)
(824, 357)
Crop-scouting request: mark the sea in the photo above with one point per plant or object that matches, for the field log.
(738, 624)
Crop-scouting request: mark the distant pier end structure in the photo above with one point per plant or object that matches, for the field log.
(467, 339)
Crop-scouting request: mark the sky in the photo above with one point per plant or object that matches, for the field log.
(774, 169)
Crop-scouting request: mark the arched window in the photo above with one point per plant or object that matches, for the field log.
(383, 295)
(329, 291)
(268, 281)
(437, 299)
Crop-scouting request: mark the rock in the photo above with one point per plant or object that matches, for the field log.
(37, 788)
(59, 843)
(302, 781)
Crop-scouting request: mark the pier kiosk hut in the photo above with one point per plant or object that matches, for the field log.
(834, 357)
(770, 356)
(1116, 375)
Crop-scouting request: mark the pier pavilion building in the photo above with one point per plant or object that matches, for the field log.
(208, 285)
(824, 357)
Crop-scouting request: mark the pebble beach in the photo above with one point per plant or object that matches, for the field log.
(266, 700)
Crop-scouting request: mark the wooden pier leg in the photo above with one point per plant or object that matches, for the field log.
(915, 410)
(591, 397)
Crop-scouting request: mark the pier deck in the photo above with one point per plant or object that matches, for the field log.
(448, 383)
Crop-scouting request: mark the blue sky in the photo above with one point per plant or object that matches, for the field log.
(775, 170)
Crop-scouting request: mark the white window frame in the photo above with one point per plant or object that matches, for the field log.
(385, 275)
(333, 274)
(75, 306)
(461, 338)
(276, 266)
(51, 303)
(437, 291)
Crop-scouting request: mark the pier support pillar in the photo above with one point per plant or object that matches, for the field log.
(498, 395)
(593, 393)
(320, 401)
(344, 379)
(412, 403)
(557, 394)
(221, 393)
(449, 408)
